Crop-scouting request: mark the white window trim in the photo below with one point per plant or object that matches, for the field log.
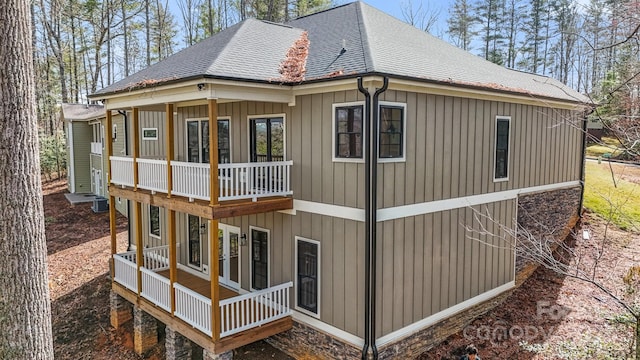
(495, 148)
(251, 228)
(145, 138)
(268, 116)
(102, 141)
(404, 131)
(186, 134)
(159, 223)
(333, 132)
(300, 309)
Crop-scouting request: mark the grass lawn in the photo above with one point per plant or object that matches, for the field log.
(621, 204)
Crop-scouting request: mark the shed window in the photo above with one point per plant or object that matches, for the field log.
(391, 136)
(154, 221)
(348, 127)
(307, 275)
(502, 148)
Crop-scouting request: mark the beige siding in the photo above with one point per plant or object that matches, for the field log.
(451, 143)
(153, 149)
(341, 255)
(82, 137)
(430, 262)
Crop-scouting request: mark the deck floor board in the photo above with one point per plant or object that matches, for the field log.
(199, 285)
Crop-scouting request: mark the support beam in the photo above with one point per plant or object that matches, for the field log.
(170, 147)
(145, 331)
(213, 151)
(173, 258)
(139, 254)
(112, 199)
(136, 146)
(214, 270)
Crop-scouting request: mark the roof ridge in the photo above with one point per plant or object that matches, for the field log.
(325, 10)
(364, 39)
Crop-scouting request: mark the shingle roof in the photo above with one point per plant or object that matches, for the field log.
(374, 43)
(82, 112)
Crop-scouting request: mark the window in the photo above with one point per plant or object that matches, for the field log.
(154, 221)
(259, 258)
(391, 128)
(266, 139)
(348, 120)
(224, 148)
(307, 275)
(196, 229)
(198, 141)
(150, 134)
(502, 149)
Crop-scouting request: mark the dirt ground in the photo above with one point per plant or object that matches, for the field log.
(548, 309)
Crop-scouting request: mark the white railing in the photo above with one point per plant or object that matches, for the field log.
(254, 309)
(125, 269)
(96, 148)
(156, 258)
(254, 180)
(193, 308)
(152, 174)
(121, 170)
(156, 288)
(190, 180)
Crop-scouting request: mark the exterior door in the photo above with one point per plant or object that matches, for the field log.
(197, 232)
(228, 252)
(266, 139)
(198, 141)
(97, 182)
(259, 259)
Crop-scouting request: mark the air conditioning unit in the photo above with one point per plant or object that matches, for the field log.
(100, 204)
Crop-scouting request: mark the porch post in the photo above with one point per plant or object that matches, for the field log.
(136, 146)
(170, 142)
(112, 199)
(139, 252)
(213, 224)
(214, 270)
(213, 151)
(173, 261)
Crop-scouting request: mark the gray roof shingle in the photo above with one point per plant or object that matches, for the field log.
(374, 42)
(82, 112)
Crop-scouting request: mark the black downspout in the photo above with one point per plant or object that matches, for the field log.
(126, 152)
(583, 163)
(369, 350)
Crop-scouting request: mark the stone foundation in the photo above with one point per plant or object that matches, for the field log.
(305, 342)
(145, 331)
(206, 355)
(419, 342)
(177, 346)
(121, 310)
(547, 214)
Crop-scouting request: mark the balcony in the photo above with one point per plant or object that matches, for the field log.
(192, 294)
(243, 188)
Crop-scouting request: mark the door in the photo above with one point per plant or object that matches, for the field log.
(266, 141)
(228, 255)
(97, 182)
(198, 141)
(259, 259)
(197, 234)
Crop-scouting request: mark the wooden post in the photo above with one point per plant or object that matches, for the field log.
(112, 199)
(173, 258)
(136, 146)
(213, 151)
(139, 252)
(170, 142)
(214, 270)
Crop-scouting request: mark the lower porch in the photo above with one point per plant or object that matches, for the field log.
(186, 303)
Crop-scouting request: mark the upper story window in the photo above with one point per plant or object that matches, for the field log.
(391, 143)
(501, 172)
(348, 125)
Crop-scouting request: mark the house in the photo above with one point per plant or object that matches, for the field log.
(331, 167)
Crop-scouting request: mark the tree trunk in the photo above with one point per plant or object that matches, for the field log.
(638, 337)
(25, 312)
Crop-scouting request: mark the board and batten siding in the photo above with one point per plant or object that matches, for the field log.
(82, 137)
(429, 263)
(118, 150)
(451, 143)
(309, 141)
(341, 257)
